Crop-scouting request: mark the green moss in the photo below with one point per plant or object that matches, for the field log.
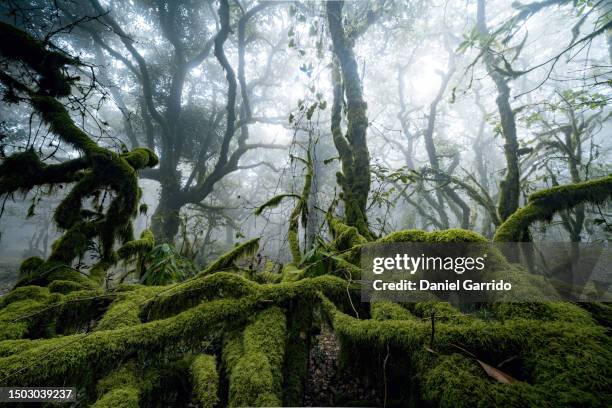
(294, 244)
(457, 381)
(205, 379)
(51, 271)
(185, 329)
(121, 388)
(227, 260)
(35, 312)
(125, 310)
(30, 265)
(13, 321)
(32, 293)
(544, 204)
(450, 235)
(64, 286)
(141, 158)
(274, 202)
(440, 309)
(385, 310)
(10, 347)
(36, 365)
(551, 311)
(254, 361)
(565, 361)
(124, 397)
(73, 243)
(176, 298)
(137, 247)
(345, 236)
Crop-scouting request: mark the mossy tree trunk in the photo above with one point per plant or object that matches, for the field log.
(509, 188)
(352, 147)
(313, 221)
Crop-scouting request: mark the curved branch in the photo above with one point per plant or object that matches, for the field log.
(544, 204)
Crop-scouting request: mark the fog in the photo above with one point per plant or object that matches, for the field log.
(149, 76)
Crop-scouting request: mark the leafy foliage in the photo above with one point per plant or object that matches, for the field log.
(164, 265)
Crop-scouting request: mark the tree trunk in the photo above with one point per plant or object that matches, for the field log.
(509, 188)
(313, 216)
(352, 148)
(166, 219)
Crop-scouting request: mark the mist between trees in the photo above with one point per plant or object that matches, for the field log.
(186, 187)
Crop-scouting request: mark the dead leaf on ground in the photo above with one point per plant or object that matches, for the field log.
(492, 372)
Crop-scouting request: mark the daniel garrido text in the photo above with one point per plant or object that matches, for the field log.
(423, 284)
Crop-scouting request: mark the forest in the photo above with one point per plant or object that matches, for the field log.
(187, 188)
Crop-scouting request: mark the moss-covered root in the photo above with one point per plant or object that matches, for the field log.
(386, 310)
(226, 260)
(124, 311)
(23, 301)
(563, 356)
(299, 328)
(205, 380)
(345, 237)
(36, 312)
(120, 389)
(254, 361)
(544, 204)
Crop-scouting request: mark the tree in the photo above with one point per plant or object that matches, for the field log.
(352, 146)
(97, 170)
(171, 117)
(509, 188)
(253, 328)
